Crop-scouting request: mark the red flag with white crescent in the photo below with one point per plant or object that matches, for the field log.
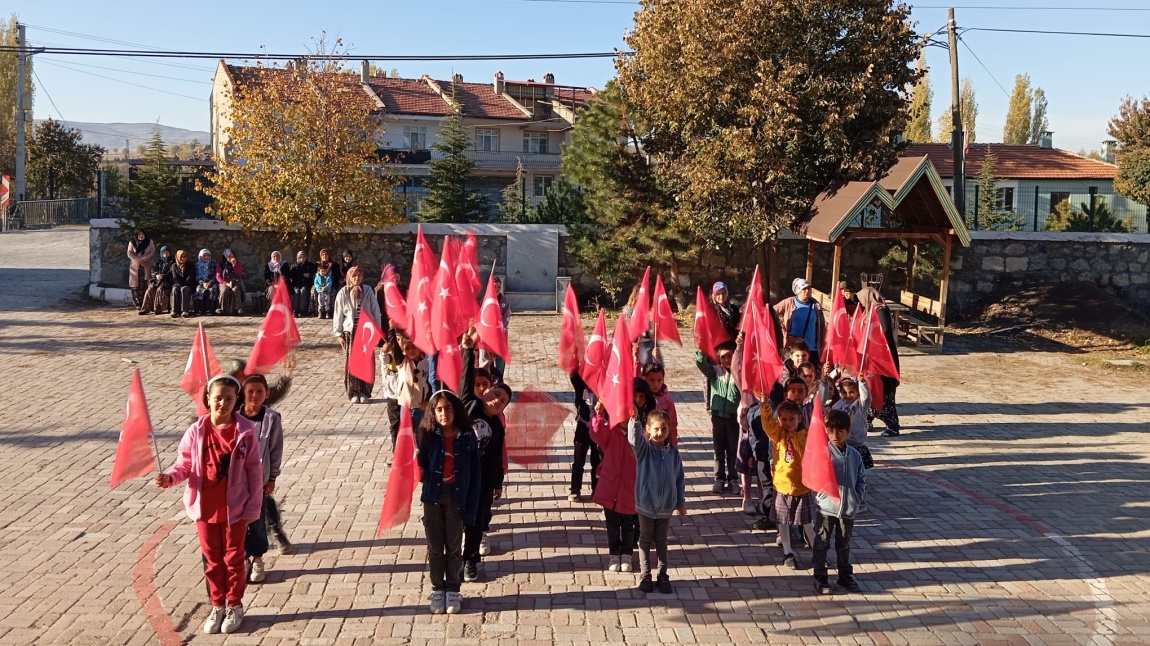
(818, 470)
(492, 334)
(135, 452)
(709, 330)
(466, 290)
(840, 342)
(201, 367)
(361, 357)
(596, 356)
(641, 316)
(876, 356)
(754, 295)
(419, 294)
(572, 343)
(532, 422)
(278, 333)
(449, 367)
(666, 328)
(396, 305)
(447, 316)
(619, 381)
(470, 261)
(401, 480)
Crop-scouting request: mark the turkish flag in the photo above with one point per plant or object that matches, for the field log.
(278, 333)
(492, 334)
(877, 390)
(761, 363)
(449, 366)
(755, 296)
(361, 358)
(470, 261)
(641, 316)
(401, 480)
(875, 353)
(396, 305)
(666, 328)
(447, 318)
(572, 343)
(419, 294)
(818, 470)
(840, 340)
(135, 452)
(596, 356)
(618, 382)
(709, 330)
(532, 422)
(201, 367)
(466, 283)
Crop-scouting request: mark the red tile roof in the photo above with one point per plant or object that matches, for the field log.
(480, 100)
(408, 96)
(1017, 161)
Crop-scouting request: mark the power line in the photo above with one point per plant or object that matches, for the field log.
(44, 89)
(1058, 33)
(992, 77)
(1018, 8)
(144, 53)
(146, 87)
(120, 69)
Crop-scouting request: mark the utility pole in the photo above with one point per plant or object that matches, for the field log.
(22, 108)
(957, 141)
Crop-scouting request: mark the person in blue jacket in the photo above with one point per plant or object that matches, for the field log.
(836, 518)
(660, 491)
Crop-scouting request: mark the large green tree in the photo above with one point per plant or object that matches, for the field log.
(1131, 128)
(627, 216)
(921, 96)
(8, 97)
(1017, 128)
(1039, 119)
(761, 105)
(447, 198)
(154, 194)
(60, 164)
(968, 104)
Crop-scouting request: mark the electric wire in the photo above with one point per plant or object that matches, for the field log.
(44, 89)
(120, 69)
(146, 87)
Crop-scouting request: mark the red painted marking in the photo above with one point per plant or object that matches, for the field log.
(144, 585)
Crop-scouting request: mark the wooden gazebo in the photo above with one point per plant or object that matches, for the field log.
(909, 203)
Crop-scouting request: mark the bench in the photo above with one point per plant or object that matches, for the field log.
(924, 335)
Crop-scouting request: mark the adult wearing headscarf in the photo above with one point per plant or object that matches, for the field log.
(345, 265)
(229, 276)
(352, 301)
(727, 311)
(207, 287)
(801, 317)
(159, 286)
(302, 278)
(389, 273)
(183, 279)
(141, 257)
(275, 269)
(870, 300)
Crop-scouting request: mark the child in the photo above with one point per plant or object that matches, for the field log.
(793, 500)
(837, 518)
(405, 380)
(660, 489)
(220, 459)
(207, 287)
(485, 406)
(584, 399)
(724, 401)
(797, 353)
(323, 290)
(654, 373)
(448, 457)
(616, 489)
(270, 433)
(854, 400)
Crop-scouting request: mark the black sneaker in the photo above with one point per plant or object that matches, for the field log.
(718, 488)
(763, 524)
(470, 571)
(851, 586)
(794, 562)
(823, 587)
(665, 585)
(645, 584)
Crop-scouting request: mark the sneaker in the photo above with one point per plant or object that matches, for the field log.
(614, 563)
(574, 497)
(142, 312)
(625, 563)
(645, 584)
(718, 488)
(214, 620)
(454, 603)
(779, 537)
(822, 587)
(285, 547)
(484, 545)
(470, 571)
(734, 487)
(352, 399)
(438, 602)
(259, 570)
(763, 524)
(851, 586)
(664, 585)
(233, 617)
(749, 508)
(794, 562)
(889, 433)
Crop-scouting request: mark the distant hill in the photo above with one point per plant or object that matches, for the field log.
(112, 135)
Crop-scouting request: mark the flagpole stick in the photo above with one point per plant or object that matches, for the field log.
(866, 342)
(156, 453)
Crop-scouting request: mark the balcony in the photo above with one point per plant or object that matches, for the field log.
(509, 159)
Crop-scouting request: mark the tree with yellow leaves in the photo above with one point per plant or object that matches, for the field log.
(301, 156)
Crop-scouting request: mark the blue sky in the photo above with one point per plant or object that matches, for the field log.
(1085, 78)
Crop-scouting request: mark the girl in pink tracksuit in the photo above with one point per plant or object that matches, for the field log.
(219, 457)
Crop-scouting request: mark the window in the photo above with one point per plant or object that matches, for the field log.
(532, 97)
(415, 137)
(542, 185)
(487, 140)
(535, 142)
(1004, 199)
(1057, 199)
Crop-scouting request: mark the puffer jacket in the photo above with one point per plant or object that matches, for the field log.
(616, 487)
(245, 473)
(851, 476)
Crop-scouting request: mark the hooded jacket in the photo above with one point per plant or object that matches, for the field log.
(851, 476)
(430, 458)
(660, 486)
(616, 487)
(488, 428)
(245, 472)
(724, 388)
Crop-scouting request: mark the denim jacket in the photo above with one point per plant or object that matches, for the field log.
(851, 477)
(467, 471)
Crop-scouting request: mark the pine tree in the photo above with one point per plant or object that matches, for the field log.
(513, 202)
(1018, 129)
(1039, 122)
(990, 216)
(969, 106)
(918, 128)
(447, 198)
(154, 196)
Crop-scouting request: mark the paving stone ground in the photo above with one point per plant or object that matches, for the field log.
(1013, 510)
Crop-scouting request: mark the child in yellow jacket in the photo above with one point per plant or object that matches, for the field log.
(794, 504)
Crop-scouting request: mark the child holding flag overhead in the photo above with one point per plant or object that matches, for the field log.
(219, 457)
(835, 518)
(660, 491)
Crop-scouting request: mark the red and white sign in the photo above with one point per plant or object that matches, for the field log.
(5, 193)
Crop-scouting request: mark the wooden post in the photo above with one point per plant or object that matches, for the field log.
(836, 268)
(911, 259)
(810, 261)
(945, 281)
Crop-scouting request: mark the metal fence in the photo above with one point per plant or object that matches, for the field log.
(1050, 208)
(42, 213)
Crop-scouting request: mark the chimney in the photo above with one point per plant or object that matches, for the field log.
(1046, 139)
(457, 78)
(364, 71)
(1108, 148)
(549, 78)
(499, 83)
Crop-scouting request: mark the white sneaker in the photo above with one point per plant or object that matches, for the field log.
(625, 563)
(615, 564)
(259, 570)
(353, 399)
(438, 602)
(454, 603)
(233, 617)
(215, 618)
(484, 545)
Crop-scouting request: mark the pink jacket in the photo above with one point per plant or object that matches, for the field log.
(666, 403)
(616, 488)
(245, 473)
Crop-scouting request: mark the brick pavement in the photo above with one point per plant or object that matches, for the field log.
(1010, 511)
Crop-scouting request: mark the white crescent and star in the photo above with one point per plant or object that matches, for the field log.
(483, 314)
(388, 288)
(595, 338)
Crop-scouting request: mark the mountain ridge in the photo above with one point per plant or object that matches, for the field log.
(111, 135)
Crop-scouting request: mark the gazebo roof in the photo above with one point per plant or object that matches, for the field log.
(909, 201)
